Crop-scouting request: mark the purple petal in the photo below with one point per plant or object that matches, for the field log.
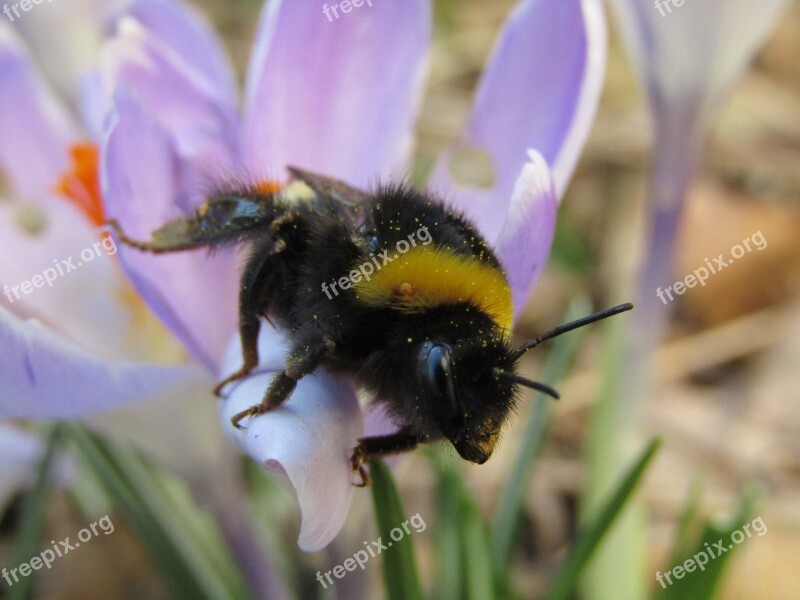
(690, 56)
(200, 116)
(143, 184)
(43, 376)
(93, 103)
(377, 420)
(524, 241)
(70, 275)
(34, 128)
(187, 33)
(309, 439)
(540, 91)
(338, 97)
(20, 452)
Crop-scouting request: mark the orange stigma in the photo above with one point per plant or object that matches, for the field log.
(80, 184)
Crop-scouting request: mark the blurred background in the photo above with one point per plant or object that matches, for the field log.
(727, 385)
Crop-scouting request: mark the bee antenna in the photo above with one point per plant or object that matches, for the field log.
(519, 379)
(577, 323)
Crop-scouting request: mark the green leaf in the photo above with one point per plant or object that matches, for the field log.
(449, 577)
(569, 248)
(567, 578)
(32, 518)
(689, 524)
(702, 583)
(618, 569)
(464, 558)
(509, 509)
(477, 561)
(193, 564)
(399, 569)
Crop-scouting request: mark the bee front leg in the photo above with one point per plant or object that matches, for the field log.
(369, 448)
(302, 360)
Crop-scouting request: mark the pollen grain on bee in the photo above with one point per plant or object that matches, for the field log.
(368, 268)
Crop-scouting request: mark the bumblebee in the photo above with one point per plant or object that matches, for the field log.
(390, 288)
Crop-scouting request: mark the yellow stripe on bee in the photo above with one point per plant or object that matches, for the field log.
(427, 277)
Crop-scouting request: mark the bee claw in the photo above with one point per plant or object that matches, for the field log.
(253, 411)
(357, 460)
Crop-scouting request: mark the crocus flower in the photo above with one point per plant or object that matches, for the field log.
(47, 215)
(64, 329)
(688, 57)
(338, 98)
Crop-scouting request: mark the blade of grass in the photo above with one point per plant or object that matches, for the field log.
(509, 509)
(567, 578)
(703, 584)
(399, 569)
(618, 569)
(476, 555)
(689, 524)
(173, 549)
(32, 518)
(449, 577)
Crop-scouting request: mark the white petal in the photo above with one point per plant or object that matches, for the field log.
(309, 438)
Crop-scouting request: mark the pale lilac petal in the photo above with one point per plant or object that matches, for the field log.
(76, 295)
(540, 91)
(376, 419)
(44, 376)
(65, 38)
(201, 117)
(93, 103)
(187, 33)
(35, 130)
(194, 293)
(192, 446)
(691, 55)
(338, 97)
(309, 439)
(20, 452)
(524, 241)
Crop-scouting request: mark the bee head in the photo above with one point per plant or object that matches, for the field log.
(466, 397)
(470, 386)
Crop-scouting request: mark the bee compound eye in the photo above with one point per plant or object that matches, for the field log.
(438, 380)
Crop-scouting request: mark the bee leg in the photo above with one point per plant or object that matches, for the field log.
(302, 361)
(375, 447)
(256, 277)
(249, 327)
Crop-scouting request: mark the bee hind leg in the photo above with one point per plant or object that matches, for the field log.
(302, 360)
(370, 448)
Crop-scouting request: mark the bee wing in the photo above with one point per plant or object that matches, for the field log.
(225, 219)
(328, 186)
